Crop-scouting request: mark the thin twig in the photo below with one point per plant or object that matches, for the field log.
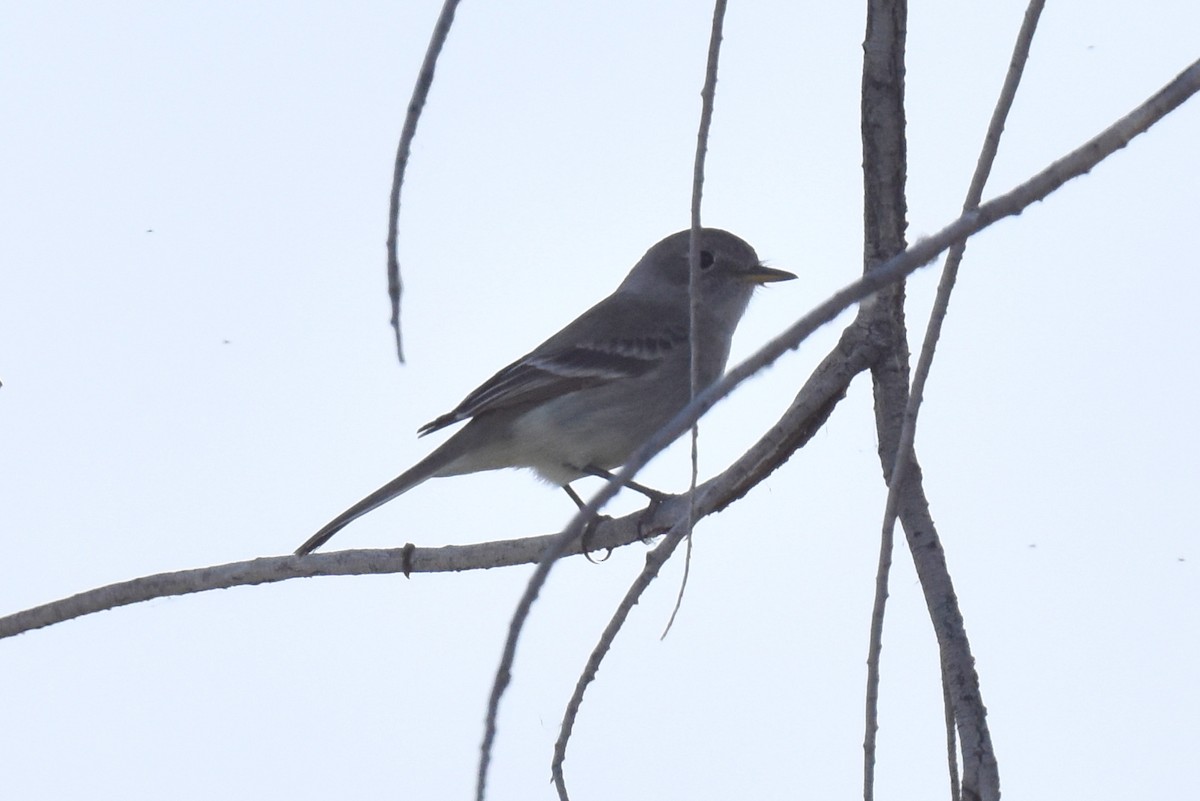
(654, 562)
(658, 557)
(441, 30)
(951, 740)
(707, 96)
(874, 652)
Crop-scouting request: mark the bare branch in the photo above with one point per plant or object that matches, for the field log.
(913, 508)
(441, 31)
(982, 765)
(951, 741)
(654, 562)
(707, 97)
(884, 219)
(266, 570)
(985, 763)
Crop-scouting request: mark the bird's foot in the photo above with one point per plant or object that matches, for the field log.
(589, 528)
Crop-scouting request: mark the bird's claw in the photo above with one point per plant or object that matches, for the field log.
(589, 528)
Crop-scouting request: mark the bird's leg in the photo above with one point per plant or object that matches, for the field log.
(653, 494)
(655, 497)
(589, 528)
(573, 495)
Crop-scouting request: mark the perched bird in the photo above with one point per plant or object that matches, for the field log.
(585, 399)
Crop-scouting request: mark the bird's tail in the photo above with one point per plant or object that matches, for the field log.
(426, 468)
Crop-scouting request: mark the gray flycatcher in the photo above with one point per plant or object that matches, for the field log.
(585, 399)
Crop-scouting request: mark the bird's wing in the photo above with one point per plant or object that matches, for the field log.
(564, 364)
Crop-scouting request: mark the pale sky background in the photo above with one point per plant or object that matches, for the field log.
(197, 369)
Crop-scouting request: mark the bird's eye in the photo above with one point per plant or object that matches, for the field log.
(706, 259)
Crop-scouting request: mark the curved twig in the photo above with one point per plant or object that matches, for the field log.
(707, 98)
(654, 562)
(441, 31)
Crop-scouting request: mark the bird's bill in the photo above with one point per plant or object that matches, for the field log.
(761, 274)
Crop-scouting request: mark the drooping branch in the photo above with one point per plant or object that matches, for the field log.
(885, 163)
(913, 507)
(982, 765)
(441, 31)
